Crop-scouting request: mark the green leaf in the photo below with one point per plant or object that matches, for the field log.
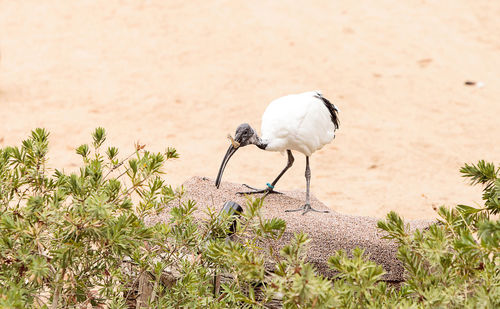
(99, 136)
(83, 150)
(483, 172)
(112, 152)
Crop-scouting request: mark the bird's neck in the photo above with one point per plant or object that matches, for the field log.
(262, 144)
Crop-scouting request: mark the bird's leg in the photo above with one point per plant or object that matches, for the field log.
(307, 207)
(270, 187)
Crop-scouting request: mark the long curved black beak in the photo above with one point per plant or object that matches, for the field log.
(228, 155)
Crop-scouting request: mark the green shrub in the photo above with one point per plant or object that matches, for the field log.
(81, 240)
(64, 237)
(455, 262)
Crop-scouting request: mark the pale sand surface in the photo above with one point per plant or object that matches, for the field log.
(185, 74)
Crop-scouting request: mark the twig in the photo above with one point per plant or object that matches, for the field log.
(119, 164)
(55, 300)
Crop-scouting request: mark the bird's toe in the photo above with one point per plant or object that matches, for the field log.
(266, 191)
(249, 187)
(307, 208)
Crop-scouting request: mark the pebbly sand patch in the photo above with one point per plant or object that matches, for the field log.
(328, 232)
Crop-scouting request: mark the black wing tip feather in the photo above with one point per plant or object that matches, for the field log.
(332, 109)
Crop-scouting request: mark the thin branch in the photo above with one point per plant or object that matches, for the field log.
(119, 164)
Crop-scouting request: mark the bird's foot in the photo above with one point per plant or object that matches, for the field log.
(306, 208)
(268, 190)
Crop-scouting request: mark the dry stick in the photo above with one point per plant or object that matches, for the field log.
(155, 287)
(55, 300)
(21, 197)
(40, 301)
(134, 187)
(126, 170)
(145, 290)
(133, 282)
(221, 297)
(119, 164)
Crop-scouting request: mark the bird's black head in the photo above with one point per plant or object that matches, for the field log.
(244, 136)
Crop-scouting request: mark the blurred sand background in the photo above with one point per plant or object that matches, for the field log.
(186, 73)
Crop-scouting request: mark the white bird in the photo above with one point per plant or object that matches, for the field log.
(302, 122)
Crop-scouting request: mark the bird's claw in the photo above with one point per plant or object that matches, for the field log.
(266, 191)
(252, 188)
(306, 208)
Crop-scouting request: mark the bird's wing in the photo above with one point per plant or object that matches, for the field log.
(331, 108)
(316, 129)
(299, 122)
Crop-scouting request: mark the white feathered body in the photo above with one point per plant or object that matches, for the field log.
(298, 122)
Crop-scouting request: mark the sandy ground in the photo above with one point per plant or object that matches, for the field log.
(186, 73)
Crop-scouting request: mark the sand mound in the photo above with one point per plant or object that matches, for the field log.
(328, 232)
